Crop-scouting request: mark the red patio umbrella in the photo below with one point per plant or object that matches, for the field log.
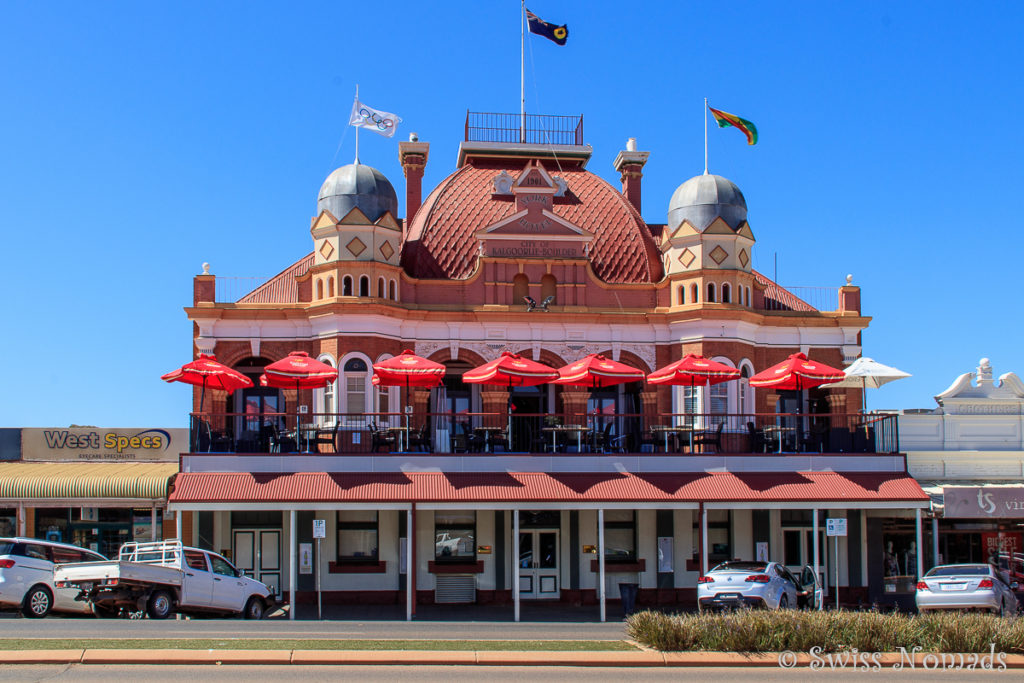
(596, 371)
(207, 371)
(511, 370)
(298, 370)
(797, 373)
(408, 370)
(693, 370)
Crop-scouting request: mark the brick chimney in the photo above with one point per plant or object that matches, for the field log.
(413, 155)
(204, 287)
(630, 163)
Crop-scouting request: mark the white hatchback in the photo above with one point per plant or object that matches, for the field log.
(26, 576)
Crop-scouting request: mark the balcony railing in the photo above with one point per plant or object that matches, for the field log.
(540, 129)
(570, 433)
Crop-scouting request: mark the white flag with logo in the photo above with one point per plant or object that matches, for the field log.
(376, 120)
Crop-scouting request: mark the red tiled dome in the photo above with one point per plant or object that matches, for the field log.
(441, 242)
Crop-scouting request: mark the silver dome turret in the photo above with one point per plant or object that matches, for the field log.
(357, 185)
(702, 199)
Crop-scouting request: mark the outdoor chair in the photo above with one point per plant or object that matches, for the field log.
(380, 439)
(602, 437)
(419, 440)
(758, 440)
(275, 442)
(814, 441)
(710, 438)
(327, 437)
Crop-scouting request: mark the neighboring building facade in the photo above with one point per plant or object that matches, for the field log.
(519, 222)
(94, 487)
(968, 454)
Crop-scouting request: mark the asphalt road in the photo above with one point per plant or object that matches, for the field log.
(17, 627)
(459, 674)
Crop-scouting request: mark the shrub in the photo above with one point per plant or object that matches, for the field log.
(799, 631)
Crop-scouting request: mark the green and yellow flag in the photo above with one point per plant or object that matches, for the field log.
(725, 119)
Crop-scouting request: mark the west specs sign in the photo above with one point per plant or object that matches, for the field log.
(103, 445)
(984, 502)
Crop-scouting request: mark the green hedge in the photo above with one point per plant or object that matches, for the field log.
(799, 631)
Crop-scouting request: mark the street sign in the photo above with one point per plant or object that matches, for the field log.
(320, 528)
(835, 526)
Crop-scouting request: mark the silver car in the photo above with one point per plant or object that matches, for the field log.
(755, 584)
(26, 576)
(966, 586)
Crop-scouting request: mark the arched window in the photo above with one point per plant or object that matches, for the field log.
(385, 400)
(392, 292)
(745, 393)
(748, 297)
(726, 293)
(693, 294)
(711, 293)
(356, 377)
(325, 399)
(330, 286)
(346, 285)
(319, 289)
(682, 296)
(520, 288)
(364, 286)
(380, 288)
(548, 287)
(722, 396)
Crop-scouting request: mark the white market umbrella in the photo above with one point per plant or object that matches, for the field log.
(867, 373)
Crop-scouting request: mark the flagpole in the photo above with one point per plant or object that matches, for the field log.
(357, 127)
(705, 134)
(522, 71)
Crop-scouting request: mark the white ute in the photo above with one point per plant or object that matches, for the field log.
(163, 578)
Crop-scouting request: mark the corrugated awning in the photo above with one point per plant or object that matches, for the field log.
(21, 481)
(424, 487)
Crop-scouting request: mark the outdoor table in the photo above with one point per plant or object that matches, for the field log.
(487, 431)
(778, 431)
(303, 433)
(555, 430)
(665, 430)
(401, 436)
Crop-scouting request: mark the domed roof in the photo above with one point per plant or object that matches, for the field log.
(357, 185)
(702, 199)
(441, 241)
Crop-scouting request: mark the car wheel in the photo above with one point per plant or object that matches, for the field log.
(38, 602)
(254, 608)
(159, 605)
(784, 601)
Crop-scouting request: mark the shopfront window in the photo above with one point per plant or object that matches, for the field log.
(899, 556)
(8, 522)
(620, 536)
(358, 533)
(454, 536)
(719, 537)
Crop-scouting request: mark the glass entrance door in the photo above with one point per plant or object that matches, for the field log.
(257, 552)
(798, 551)
(538, 565)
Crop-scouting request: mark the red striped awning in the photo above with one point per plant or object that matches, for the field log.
(528, 487)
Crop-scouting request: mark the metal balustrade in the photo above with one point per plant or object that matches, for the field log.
(569, 433)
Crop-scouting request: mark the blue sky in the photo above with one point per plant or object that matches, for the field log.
(138, 140)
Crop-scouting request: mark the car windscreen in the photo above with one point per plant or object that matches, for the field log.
(965, 570)
(741, 567)
(6, 547)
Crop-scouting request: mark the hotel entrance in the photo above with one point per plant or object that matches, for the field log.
(539, 569)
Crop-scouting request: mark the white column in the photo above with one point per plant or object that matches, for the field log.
(935, 542)
(515, 562)
(292, 555)
(409, 574)
(814, 543)
(600, 564)
(177, 524)
(920, 543)
(152, 522)
(703, 540)
(21, 521)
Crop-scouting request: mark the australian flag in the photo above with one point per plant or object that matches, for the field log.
(556, 34)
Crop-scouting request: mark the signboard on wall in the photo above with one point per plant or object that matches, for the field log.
(984, 502)
(146, 444)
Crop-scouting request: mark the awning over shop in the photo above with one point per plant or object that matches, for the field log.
(532, 487)
(28, 481)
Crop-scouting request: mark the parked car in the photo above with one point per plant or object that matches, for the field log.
(164, 578)
(966, 586)
(26, 576)
(756, 584)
